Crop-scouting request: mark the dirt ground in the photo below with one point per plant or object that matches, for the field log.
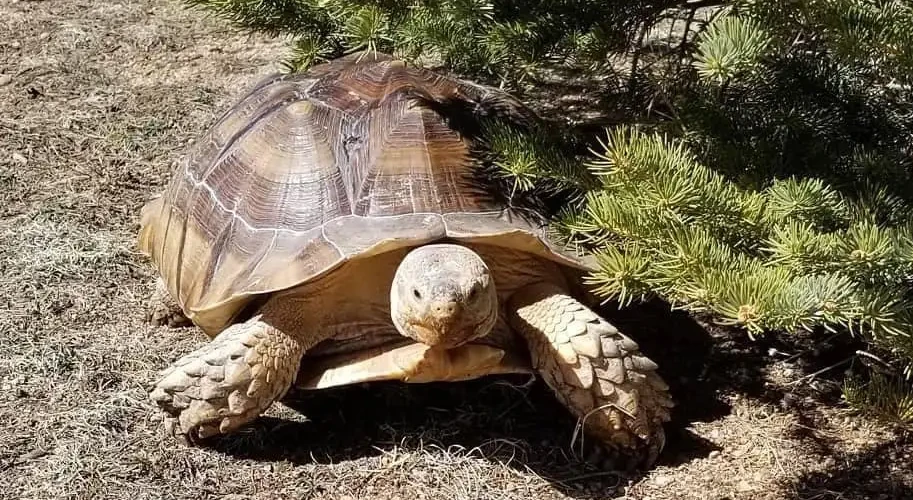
(97, 100)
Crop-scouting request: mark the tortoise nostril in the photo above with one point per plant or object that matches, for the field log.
(445, 309)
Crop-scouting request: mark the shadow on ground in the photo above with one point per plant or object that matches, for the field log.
(877, 473)
(508, 419)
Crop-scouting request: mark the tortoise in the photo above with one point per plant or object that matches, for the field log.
(332, 228)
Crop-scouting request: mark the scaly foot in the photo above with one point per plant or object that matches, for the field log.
(229, 381)
(597, 372)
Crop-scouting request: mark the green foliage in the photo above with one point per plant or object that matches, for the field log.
(807, 88)
(806, 107)
(729, 48)
(273, 17)
(886, 397)
(874, 38)
(502, 41)
(307, 51)
(788, 257)
(533, 159)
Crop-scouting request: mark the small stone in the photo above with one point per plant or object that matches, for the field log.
(713, 454)
(744, 485)
(5, 80)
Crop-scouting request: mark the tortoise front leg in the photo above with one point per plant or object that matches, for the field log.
(597, 372)
(231, 380)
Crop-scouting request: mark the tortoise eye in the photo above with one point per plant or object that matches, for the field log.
(416, 294)
(473, 293)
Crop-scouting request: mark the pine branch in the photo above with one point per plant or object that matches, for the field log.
(273, 17)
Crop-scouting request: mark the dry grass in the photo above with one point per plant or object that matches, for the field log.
(97, 99)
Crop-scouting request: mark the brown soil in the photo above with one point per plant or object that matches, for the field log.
(97, 100)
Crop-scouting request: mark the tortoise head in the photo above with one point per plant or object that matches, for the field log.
(443, 295)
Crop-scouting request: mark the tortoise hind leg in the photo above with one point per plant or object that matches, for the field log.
(164, 310)
(231, 380)
(597, 372)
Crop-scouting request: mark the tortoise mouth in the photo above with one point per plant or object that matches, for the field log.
(446, 335)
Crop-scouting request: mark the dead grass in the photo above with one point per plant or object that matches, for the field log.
(97, 99)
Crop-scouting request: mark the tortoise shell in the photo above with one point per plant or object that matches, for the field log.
(355, 157)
